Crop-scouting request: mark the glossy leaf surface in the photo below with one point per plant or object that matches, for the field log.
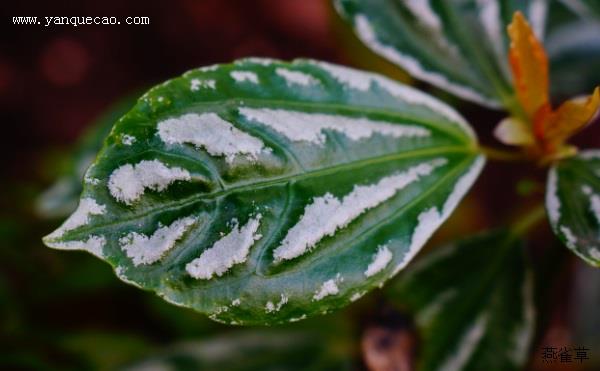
(573, 204)
(473, 304)
(457, 46)
(261, 192)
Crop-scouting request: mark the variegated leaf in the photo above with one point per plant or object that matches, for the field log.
(456, 45)
(261, 192)
(472, 303)
(573, 204)
(574, 52)
(585, 8)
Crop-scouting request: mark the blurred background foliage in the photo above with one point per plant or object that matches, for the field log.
(68, 311)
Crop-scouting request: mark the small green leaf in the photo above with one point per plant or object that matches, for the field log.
(457, 46)
(473, 304)
(261, 192)
(573, 204)
(62, 197)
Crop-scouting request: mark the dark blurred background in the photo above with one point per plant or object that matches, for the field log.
(54, 80)
(66, 310)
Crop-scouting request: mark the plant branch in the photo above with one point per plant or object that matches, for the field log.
(502, 155)
(529, 220)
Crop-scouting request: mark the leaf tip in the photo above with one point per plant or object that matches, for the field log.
(52, 239)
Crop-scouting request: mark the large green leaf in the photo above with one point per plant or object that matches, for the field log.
(456, 45)
(573, 204)
(261, 192)
(573, 47)
(574, 51)
(473, 304)
(62, 197)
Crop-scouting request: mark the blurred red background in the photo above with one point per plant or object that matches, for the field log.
(55, 80)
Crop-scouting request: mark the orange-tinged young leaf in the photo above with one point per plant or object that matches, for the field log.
(529, 65)
(540, 121)
(548, 128)
(569, 118)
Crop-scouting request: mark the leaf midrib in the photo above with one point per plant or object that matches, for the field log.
(364, 235)
(281, 180)
(301, 266)
(446, 178)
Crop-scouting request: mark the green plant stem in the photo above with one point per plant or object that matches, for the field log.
(501, 155)
(528, 221)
